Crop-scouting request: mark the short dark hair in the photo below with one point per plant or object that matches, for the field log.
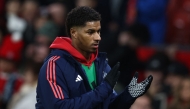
(79, 16)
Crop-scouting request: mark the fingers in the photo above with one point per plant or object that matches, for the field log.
(113, 75)
(136, 75)
(150, 78)
(138, 89)
(118, 74)
(147, 82)
(115, 68)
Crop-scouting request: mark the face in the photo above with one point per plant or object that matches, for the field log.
(185, 90)
(156, 84)
(158, 76)
(29, 77)
(29, 7)
(170, 80)
(125, 38)
(142, 102)
(89, 3)
(41, 48)
(6, 66)
(58, 12)
(13, 7)
(86, 39)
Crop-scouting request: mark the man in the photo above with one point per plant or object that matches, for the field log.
(76, 76)
(10, 79)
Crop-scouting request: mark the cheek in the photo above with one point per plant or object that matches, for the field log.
(85, 41)
(156, 75)
(40, 53)
(185, 92)
(176, 82)
(6, 66)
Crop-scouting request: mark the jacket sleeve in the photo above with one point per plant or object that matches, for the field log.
(120, 101)
(123, 100)
(52, 91)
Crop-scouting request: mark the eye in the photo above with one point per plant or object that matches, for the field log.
(98, 31)
(90, 32)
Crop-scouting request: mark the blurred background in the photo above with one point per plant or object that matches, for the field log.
(146, 36)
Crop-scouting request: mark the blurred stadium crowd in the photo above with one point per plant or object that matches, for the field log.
(147, 36)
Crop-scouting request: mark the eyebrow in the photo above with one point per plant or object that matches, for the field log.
(94, 29)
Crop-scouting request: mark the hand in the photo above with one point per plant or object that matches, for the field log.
(113, 75)
(138, 89)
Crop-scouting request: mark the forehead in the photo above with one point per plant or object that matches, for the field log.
(92, 25)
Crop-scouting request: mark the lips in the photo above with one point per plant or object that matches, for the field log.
(95, 45)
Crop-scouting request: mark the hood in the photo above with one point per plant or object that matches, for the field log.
(64, 43)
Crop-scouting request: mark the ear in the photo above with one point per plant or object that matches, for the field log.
(73, 32)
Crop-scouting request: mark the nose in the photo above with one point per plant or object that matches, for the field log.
(97, 36)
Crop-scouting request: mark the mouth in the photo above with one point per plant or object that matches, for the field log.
(95, 45)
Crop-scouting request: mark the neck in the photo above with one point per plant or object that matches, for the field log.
(85, 54)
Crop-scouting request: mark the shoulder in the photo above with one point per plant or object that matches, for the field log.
(58, 55)
(57, 58)
(102, 55)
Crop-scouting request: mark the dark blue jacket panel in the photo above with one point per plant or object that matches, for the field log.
(58, 89)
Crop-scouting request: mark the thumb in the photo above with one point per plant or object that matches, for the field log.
(149, 80)
(136, 75)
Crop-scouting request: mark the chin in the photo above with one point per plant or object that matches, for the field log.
(93, 50)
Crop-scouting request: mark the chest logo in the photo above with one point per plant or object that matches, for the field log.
(79, 78)
(104, 74)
